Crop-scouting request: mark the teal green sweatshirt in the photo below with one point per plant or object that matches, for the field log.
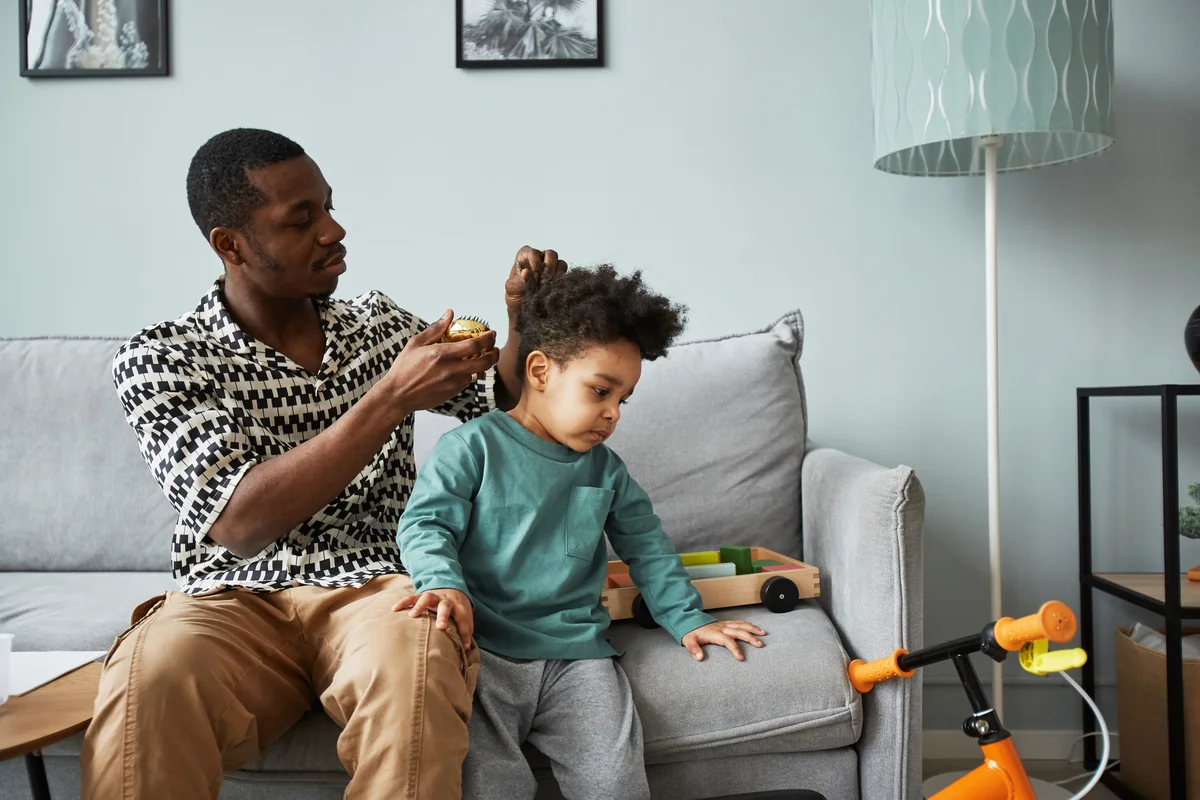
(518, 524)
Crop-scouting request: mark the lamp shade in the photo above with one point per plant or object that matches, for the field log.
(945, 72)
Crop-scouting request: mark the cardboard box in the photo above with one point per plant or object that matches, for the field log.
(1142, 718)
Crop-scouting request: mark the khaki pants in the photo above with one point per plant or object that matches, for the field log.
(200, 685)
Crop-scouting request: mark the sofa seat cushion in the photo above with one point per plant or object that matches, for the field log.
(73, 610)
(791, 696)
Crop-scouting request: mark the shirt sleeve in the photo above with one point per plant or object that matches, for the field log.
(435, 520)
(474, 401)
(638, 539)
(196, 451)
(477, 399)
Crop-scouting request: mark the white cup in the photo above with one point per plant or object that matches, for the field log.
(6, 640)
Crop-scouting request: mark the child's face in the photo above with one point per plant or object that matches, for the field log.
(580, 404)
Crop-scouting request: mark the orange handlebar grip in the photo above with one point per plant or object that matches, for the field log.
(864, 675)
(1054, 621)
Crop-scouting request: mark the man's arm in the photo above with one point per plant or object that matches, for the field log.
(543, 265)
(242, 500)
(279, 493)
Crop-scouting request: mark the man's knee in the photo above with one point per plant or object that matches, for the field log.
(397, 651)
(167, 668)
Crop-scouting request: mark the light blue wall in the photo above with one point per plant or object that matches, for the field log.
(727, 151)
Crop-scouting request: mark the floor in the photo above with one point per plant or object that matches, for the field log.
(1052, 771)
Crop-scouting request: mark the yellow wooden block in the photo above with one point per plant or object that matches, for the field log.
(696, 559)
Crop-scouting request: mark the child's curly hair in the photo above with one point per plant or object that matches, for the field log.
(564, 316)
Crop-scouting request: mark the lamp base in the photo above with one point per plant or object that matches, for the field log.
(1043, 789)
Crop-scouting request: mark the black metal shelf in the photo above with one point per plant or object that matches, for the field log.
(1177, 389)
(1140, 592)
(1130, 587)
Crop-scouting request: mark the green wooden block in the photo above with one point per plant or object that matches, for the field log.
(765, 562)
(740, 558)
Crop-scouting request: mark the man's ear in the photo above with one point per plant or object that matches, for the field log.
(537, 371)
(227, 244)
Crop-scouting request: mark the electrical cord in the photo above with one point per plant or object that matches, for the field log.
(1104, 738)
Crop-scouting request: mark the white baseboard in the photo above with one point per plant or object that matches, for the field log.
(1032, 745)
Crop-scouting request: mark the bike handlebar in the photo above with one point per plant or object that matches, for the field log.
(1054, 621)
(864, 675)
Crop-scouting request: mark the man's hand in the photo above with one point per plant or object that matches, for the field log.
(726, 634)
(448, 604)
(542, 264)
(428, 373)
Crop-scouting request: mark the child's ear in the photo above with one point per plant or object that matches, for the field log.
(537, 371)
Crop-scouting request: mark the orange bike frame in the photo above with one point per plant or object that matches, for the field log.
(1001, 776)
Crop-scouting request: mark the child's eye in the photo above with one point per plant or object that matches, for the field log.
(624, 402)
(600, 392)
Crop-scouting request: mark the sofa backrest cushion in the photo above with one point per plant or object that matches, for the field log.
(75, 494)
(715, 433)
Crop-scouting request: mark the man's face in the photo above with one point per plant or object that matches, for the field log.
(293, 245)
(582, 401)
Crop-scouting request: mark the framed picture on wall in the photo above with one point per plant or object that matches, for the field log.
(93, 38)
(530, 33)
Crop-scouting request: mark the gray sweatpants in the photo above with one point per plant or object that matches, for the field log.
(580, 714)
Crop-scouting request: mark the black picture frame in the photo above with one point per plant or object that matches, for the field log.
(158, 50)
(464, 60)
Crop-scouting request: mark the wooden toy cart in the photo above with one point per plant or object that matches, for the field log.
(779, 590)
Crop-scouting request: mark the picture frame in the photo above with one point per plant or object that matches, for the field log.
(94, 38)
(508, 34)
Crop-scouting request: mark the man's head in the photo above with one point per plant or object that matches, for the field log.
(264, 207)
(584, 336)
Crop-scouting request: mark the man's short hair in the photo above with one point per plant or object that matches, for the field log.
(584, 307)
(219, 191)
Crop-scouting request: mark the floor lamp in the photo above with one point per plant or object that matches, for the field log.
(969, 87)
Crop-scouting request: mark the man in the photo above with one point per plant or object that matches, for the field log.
(278, 422)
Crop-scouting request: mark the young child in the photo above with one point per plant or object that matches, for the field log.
(505, 534)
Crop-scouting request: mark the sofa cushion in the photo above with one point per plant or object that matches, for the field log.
(75, 492)
(73, 610)
(791, 696)
(715, 433)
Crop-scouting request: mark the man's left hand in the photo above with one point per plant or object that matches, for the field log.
(544, 264)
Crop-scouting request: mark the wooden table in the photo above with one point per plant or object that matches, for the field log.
(44, 716)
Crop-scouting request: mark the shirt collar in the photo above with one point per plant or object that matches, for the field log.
(214, 317)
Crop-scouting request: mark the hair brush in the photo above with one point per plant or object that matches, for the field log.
(464, 328)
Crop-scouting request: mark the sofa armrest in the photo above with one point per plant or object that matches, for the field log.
(862, 529)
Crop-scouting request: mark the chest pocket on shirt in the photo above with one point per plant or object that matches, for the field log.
(587, 511)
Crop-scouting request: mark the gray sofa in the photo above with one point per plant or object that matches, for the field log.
(716, 433)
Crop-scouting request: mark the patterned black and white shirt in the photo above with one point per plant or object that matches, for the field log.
(208, 403)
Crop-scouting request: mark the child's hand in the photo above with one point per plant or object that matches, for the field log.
(448, 603)
(725, 634)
